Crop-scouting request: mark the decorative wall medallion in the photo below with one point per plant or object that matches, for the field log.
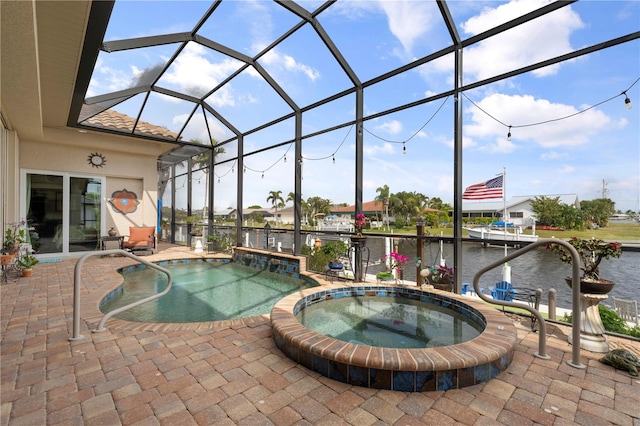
(124, 201)
(96, 160)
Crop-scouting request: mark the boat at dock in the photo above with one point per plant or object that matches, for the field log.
(488, 233)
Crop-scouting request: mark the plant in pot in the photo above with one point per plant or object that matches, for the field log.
(196, 230)
(27, 261)
(591, 251)
(441, 277)
(397, 262)
(384, 276)
(13, 237)
(361, 221)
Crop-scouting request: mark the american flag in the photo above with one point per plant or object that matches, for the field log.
(482, 191)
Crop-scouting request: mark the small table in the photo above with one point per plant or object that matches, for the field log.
(107, 238)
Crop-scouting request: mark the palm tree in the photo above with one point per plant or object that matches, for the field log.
(275, 197)
(407, 205)
(318, 205)
(383, 197)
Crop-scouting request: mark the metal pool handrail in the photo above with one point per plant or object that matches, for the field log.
(575, 362)
(76, 290)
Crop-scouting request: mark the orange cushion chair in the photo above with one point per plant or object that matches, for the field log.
(141, 238)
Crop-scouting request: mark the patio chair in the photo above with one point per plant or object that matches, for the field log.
(141, 239)
(626, 309)
(503, 291)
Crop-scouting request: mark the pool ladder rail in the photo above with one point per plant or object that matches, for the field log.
(77, 280)
(575, 361)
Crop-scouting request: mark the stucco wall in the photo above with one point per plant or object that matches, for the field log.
(129, 165)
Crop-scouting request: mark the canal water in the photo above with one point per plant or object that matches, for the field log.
(538, 268)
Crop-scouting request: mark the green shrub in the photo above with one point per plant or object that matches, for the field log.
(319, 259)
(611, 322)
(384, 276)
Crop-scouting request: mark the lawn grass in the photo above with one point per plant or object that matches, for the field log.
(615, 231)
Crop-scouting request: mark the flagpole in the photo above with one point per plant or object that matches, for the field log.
(504, 211)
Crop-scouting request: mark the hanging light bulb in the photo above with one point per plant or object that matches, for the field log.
(245, 169)
(627, 101)
(509, 134)
(404, 148)
(218, 180)
(232, 168)
(262, 175)
(285, 158)
(334, 158)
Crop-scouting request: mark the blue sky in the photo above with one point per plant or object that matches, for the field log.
(548, 153)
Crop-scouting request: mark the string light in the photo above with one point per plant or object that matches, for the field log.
(262, 175)
(218, 180)
(285, 158)
(627, 101)
(232, 169)
(404, 148)
(627, 104)
(334, 158)
(245, 169)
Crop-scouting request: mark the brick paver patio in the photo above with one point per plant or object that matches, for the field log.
(232, 373)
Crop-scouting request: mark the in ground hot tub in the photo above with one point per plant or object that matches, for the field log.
(397, 368)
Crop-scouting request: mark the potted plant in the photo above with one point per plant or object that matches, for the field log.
(591, 251)
(27, 261)
(196, 230)
(384, 276)
(440, 277)
(13, 237)
(358, 239)
(397, 262)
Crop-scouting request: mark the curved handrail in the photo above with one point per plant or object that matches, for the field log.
(76, 290)
(575, 362)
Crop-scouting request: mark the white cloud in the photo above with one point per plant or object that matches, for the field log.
(502, 145)
(553, 155)
(375, 150)
(567, 170)
(192, 66)
(526, 44)
(392, 127)
(198, 129)
(286, 62)
(543, 38)
(107, 79)
(549, 132)
(409, 20)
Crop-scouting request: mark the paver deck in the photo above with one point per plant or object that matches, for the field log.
(232, 373)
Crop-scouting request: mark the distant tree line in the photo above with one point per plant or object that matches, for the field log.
(592, 213)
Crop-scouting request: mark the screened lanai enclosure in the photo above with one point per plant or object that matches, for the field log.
(337, 99)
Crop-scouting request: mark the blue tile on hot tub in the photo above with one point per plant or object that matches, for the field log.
(446, 380)
(404, 381)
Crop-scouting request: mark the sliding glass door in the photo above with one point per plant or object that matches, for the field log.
(64, 212)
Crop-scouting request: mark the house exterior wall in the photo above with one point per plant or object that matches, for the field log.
(132, 169)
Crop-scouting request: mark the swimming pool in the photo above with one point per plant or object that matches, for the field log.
(202, 291)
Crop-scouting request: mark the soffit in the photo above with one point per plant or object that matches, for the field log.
(61, 30)
(19, 81)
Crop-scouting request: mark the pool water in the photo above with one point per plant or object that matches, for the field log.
(201, 291)
(390, 322)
